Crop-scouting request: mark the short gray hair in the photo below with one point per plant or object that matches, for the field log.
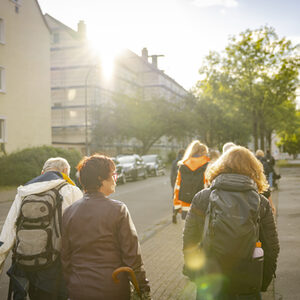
(58, 164)
(227, 146)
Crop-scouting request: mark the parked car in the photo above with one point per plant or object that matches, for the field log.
(154, 164)
(133, 166)
(120, 171)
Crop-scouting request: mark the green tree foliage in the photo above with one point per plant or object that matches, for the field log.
(290, 136)
(135, 118)
(19, 167)
(253, 83)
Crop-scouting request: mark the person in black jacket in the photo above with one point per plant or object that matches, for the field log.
(174, 167)
(237, 176)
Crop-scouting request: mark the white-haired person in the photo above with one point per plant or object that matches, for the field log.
(45, 282)
(227, 146)
(190, 177)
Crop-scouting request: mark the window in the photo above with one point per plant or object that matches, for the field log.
(2, 32)
(2, 130)
(2, 79)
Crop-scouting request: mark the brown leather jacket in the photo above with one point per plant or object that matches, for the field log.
(98, 237)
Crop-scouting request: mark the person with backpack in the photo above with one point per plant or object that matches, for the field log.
(190, 177)
(99, 237)
(32, 230)
(230, 241)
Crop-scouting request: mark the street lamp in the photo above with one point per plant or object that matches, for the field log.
(87, 148)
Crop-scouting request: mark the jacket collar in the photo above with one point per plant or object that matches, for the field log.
(194, 163)
(94, 195)
(233, 182)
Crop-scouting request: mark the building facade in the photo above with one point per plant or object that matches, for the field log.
(79, 85)
(25, 105)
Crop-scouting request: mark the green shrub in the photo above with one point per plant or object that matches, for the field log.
(19, 167)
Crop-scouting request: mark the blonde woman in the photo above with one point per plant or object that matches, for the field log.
(228, 220)
(190, 177)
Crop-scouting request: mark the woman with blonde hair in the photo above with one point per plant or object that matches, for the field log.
(227, 225)
(190, 177)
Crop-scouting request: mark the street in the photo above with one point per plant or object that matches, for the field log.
(149, 202)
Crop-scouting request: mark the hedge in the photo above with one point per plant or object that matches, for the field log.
(19, 167)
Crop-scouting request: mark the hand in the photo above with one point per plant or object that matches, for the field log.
(144, 296)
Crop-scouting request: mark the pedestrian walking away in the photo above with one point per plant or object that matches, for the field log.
(227, 146)
(190, 177)
(99, 237)
(230, 241)
(173, 175)
(32, 230)
(267, 171)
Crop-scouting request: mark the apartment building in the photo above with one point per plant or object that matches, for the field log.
(25, 105)
(79, 86)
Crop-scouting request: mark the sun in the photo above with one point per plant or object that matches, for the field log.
(106, 50)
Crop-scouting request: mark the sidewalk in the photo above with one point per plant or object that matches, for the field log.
(162, 255)
(287, 283)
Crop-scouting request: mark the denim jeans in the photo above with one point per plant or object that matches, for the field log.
(270, 179)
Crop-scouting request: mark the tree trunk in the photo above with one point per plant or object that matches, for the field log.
(269, 140)
(262, 134)
(254, 130)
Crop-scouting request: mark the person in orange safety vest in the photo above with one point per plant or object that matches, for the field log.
(190, 177)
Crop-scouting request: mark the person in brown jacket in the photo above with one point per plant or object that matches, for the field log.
(98, 237)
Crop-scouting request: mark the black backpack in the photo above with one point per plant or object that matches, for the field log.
(191, 182)
(38, 233)
(230, 233)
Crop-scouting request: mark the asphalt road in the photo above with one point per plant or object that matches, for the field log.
(149, 203)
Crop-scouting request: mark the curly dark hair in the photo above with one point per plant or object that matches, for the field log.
(93, 170)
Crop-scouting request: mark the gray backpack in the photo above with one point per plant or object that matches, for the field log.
(230, 233)
(38, 233)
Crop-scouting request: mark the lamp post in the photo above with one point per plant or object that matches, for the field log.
(87, 148)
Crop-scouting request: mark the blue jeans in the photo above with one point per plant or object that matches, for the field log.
(270, 179)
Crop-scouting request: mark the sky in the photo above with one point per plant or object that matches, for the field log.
(184, 31)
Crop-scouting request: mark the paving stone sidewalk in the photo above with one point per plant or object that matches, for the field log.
(162, 255)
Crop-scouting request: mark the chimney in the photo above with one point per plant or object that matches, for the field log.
(154, 60)
(145, 54)
(81, 29)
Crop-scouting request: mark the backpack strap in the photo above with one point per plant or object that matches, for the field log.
(207, 213)
(59, 200)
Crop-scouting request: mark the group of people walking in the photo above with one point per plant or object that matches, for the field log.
(229, 218)
(67, 244)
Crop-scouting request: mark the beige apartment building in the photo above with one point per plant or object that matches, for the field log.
(25, 105)
(78, 85)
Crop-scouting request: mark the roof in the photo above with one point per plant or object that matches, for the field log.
(154, 69)
(65, 27)
(39, 8)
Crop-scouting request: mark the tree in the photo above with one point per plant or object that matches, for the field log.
(290, 137)
(146, 121)
(255, 78)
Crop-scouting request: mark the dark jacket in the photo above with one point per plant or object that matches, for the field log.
(235, 185)
(98, 237)
(174, 170)
(266, 165)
